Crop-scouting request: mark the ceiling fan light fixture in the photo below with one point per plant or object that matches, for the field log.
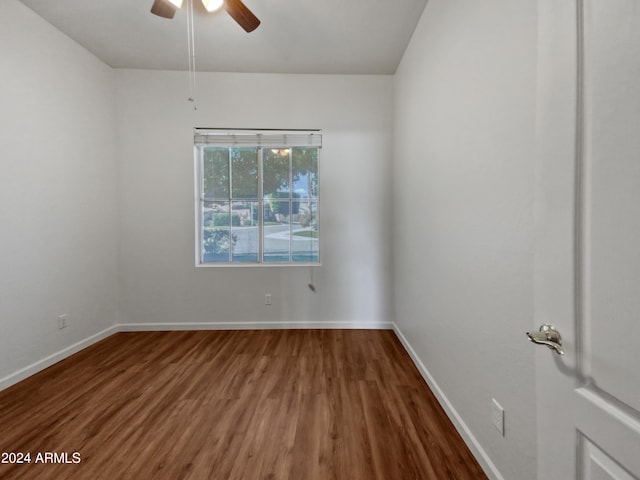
(235, 8)
(212, 5)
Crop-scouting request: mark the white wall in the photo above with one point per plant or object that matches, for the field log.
(57, 190)
(463, 258)
(159, 282)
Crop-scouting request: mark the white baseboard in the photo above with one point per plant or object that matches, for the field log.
(472, 442)
(154, 327)
(46, 362)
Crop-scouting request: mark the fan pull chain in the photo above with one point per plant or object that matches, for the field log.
(191, 46)
(311, 285)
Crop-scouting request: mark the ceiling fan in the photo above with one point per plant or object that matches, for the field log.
(238, 11)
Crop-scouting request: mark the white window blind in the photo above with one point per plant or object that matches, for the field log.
(258, 138)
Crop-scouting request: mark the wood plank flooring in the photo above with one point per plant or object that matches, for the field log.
(234, 405)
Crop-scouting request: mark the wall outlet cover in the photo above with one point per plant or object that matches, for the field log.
(497, 416)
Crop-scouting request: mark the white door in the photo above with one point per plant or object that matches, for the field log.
(587, 280)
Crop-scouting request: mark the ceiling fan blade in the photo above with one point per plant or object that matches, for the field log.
(241, 14)
(163, 8)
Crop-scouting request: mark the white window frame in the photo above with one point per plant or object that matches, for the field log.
(263, 138)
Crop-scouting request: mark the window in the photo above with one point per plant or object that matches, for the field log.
(258, 197)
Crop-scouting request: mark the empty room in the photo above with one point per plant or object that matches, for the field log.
(337, 240)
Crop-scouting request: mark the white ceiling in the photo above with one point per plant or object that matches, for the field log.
(296, 36)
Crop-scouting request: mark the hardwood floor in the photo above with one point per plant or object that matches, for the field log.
(245, 405)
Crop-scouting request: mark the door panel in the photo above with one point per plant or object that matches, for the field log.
(612, 196)
(599, 466)
(587, 274)
(615, 431)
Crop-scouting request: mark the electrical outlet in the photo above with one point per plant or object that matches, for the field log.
(497, 416)
(62, 321)
(267, 299)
